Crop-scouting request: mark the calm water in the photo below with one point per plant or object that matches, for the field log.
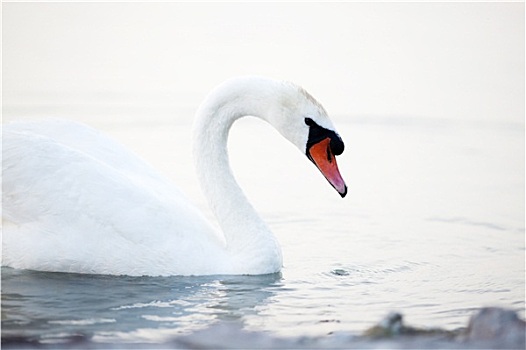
(433, 226)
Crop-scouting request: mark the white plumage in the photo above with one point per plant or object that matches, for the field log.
(76, 201)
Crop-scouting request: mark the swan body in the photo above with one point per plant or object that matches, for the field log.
(76, 201)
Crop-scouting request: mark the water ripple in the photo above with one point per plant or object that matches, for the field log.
(465, 221)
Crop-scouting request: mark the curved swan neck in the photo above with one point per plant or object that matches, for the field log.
(247, 236)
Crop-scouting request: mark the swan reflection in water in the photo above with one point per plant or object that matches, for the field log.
(54, 306)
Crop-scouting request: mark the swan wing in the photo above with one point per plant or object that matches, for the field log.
(90, 143)
(75, 200)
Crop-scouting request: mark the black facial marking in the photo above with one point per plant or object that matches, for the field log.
(318, 133)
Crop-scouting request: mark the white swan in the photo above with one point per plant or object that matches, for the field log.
(76, 201)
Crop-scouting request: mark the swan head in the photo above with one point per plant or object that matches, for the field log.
(287, 107)
(301, 119)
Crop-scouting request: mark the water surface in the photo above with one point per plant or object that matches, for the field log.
(433, 226)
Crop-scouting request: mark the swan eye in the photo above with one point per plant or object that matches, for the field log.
(318, 133)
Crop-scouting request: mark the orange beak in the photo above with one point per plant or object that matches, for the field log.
(321, 155)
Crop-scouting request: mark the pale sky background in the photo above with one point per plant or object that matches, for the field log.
(460, 61)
